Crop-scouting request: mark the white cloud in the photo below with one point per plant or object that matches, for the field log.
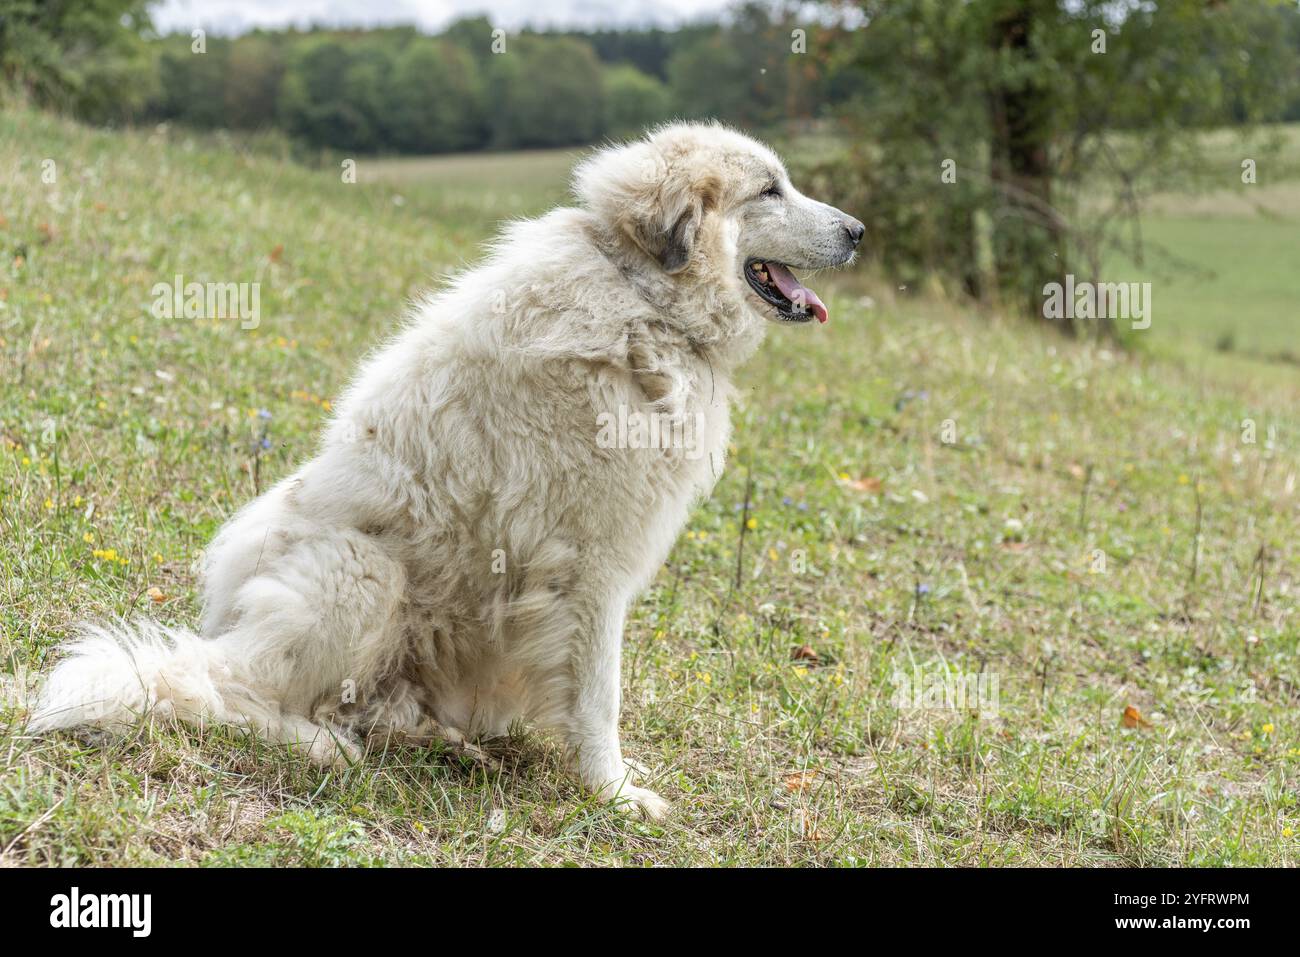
(238, 16)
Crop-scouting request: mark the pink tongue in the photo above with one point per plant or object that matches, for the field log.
(796, 292)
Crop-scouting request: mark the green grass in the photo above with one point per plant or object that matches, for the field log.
(478, 188)
(1222, 261)
(1224, 278)
(874, 542)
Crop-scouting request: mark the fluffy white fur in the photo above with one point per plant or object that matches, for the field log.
(460, 553)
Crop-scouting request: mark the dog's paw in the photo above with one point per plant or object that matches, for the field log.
(330, 749)
(631, 799)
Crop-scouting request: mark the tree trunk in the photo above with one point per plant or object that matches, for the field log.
(1029, 239)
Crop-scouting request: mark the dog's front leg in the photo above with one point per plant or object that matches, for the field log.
(592, 726)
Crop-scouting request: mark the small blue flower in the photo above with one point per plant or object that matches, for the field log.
(787, 500)
(266, 443)
(263, 414)
(922, 589)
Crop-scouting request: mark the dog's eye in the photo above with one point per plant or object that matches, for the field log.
(772, 192)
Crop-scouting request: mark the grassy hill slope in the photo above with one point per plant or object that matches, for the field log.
(1098, 541)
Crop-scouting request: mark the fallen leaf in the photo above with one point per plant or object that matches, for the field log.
(868, 484)
(805, 653)
(1015, 546)
(1133, 718)
(800, 780)
(276, 253)
(155, 593)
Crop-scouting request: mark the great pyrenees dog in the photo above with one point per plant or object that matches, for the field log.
(498, 482)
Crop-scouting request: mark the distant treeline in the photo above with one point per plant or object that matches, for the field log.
(993, 145)
(472, 87)
(468, 88)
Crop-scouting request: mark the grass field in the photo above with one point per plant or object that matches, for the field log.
(1098, 539)
(1224, 271)
(1222, 259)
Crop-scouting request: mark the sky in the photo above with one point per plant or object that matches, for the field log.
(238, 16)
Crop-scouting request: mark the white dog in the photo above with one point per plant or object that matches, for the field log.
(461, 552)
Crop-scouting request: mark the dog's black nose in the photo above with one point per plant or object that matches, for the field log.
(855, 230)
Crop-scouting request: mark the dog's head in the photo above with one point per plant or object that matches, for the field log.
(709, 205)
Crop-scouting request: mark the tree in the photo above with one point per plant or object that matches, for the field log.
(194, 90)
(1007, 142)
(633, 101)
(436, 99)
(255, 70)
(315, 103)
(1021, 104)
(545, 91)
(737, 72)
(473, 35)
(90, 57)
(646, 49)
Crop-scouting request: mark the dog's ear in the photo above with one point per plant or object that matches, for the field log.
(670, 238)
(655, 199)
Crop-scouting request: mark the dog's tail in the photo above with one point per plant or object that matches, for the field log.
(113, 675)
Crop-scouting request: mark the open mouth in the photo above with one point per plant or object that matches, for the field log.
(777, 286)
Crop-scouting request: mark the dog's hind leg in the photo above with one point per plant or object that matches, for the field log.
(293, 641)
(319, 624)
